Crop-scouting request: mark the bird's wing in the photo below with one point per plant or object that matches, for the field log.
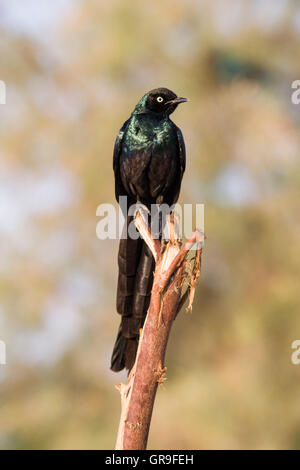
(181, 147)
(119, 189)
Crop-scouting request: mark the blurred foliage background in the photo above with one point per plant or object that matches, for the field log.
(74, 70)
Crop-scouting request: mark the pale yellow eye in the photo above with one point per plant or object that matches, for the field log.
(159, 99)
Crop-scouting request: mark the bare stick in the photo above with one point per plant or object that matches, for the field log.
(196, 236)
(144, 230)
(137, 397)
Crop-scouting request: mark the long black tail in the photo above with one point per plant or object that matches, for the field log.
(136, 265)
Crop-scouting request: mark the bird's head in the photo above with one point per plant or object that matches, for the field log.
(160, 101)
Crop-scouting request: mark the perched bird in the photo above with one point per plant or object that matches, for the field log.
(148, 163)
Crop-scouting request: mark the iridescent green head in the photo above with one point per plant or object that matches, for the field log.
(159, 101)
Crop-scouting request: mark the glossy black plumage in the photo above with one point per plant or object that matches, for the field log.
(148, 163)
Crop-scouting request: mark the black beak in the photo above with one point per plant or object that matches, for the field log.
(177, 100)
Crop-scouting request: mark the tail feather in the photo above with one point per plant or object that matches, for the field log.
(143, 283)
(136, 265)
(118, 356)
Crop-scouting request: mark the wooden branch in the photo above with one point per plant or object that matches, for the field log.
(137, 397)
(144, 230)
(196, 236)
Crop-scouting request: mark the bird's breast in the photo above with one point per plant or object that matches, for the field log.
(148, 159)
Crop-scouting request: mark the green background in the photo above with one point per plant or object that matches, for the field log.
(74, 70)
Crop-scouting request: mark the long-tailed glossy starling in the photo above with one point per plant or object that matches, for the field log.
(148, 163)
